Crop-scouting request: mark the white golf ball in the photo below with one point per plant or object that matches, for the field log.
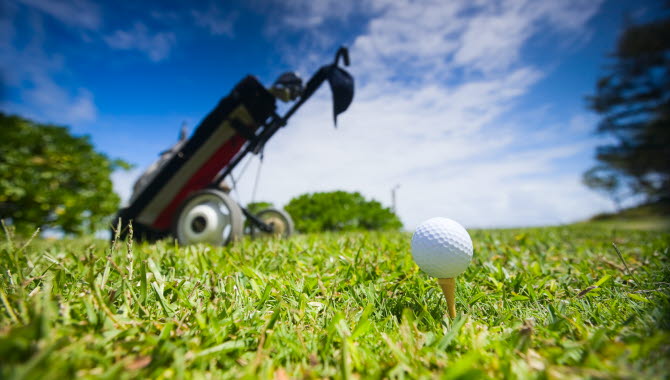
(442, 248)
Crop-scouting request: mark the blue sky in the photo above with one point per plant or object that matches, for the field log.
(476, 108)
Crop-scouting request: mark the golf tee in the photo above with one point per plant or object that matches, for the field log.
(448, 286)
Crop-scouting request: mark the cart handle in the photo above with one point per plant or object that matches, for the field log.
(344, 53)
(256, 145)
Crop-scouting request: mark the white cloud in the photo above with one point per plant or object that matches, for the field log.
(77, 13)
(432, 38)
(48, 102)
(51, 103)
(436, 83)
(156, 46)
(31, 71)
(123, 181)
(216, 21)
(307, 14)
(493, 40)
(475, 176)
(306, 29)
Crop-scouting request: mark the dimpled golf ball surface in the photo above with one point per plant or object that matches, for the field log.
(442, 248)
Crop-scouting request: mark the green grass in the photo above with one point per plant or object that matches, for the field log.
(535, 303)
(654, 216)
(655, 223)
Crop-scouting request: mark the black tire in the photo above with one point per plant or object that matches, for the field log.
(208, 216)
(279, 219)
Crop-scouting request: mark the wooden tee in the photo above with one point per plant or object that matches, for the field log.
(448, 286)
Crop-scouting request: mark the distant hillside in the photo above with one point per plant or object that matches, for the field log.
(648, 216)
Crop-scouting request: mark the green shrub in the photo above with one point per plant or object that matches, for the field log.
(340, 211)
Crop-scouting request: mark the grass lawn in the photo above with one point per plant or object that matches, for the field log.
(535, 303)
(648, 216)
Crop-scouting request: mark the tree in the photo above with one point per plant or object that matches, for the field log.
(49, 178)
(633, 99)
(606, 181)
(340, 211)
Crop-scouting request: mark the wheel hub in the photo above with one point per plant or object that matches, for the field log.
(205, 220)
(198, 224)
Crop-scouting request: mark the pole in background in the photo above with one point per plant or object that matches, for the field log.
(393, 204)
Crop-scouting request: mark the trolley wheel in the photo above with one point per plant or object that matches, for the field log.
(280, 220)
(208, 216)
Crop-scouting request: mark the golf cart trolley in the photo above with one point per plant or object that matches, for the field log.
(183, 194)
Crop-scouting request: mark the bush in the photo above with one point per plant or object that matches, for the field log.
(256, 207)
(340, 211)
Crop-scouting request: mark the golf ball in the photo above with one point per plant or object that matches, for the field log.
(442, 248)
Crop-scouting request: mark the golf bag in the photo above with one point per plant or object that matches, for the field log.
(181, 194)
